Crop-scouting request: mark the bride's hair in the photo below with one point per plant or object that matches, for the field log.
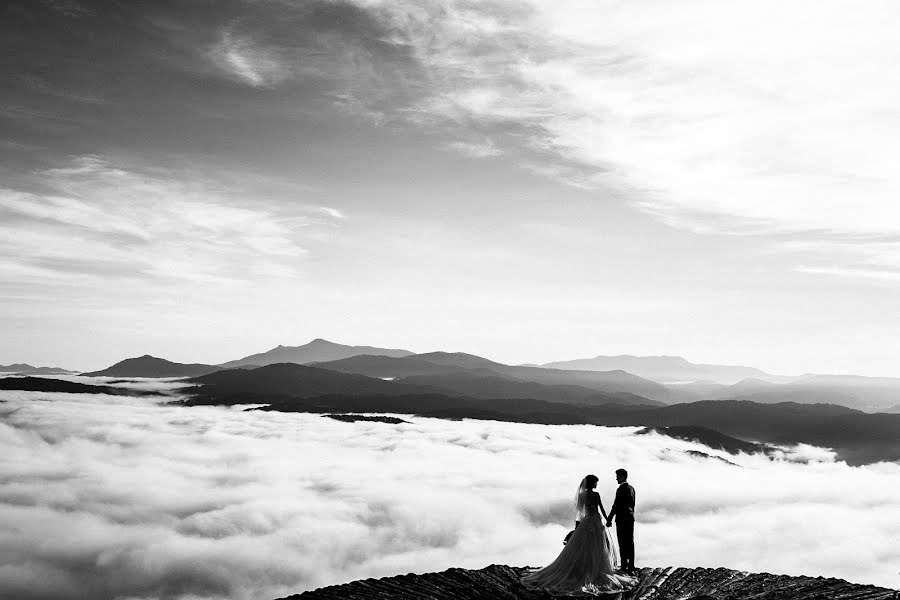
(587, 484)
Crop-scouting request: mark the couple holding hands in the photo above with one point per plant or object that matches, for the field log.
(588, 561)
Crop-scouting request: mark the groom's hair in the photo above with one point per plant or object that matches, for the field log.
(622, 472)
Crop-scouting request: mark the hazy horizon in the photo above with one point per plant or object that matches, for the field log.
(98, 366)
(524, 181)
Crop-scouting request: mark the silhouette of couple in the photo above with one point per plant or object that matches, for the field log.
(588, 561)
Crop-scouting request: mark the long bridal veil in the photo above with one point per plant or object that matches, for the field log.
(580, 500)
(581, 513)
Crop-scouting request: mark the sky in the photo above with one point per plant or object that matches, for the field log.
(527, 181)
(117, 497)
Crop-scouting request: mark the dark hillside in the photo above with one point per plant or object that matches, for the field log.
(499, 582)
(151, 366)
(235, 386)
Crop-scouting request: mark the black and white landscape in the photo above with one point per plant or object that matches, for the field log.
(260, 481)
(295, 293)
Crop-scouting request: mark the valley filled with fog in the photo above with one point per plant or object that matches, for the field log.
(108, 496)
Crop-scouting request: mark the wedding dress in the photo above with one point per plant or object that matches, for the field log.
(587, 562)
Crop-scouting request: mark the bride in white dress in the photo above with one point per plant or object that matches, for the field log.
(587, 562)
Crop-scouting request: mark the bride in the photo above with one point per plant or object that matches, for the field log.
(587, 561)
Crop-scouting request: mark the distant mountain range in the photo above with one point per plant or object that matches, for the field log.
(318, 350)
(389, 367)
(870, 394)
(608, 382)
(823, 410)
(26, 369)
(289, 380)
(629, 380)
(666, 369)
(440, 372)
(492, 393)
(856, 436)
(691, 382)
(476, 377)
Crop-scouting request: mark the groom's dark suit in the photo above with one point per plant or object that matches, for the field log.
(623, 510)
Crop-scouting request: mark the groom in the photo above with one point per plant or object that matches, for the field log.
(623, 510)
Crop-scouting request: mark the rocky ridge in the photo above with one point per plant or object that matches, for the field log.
(500, 582)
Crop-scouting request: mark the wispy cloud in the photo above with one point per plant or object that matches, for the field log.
(104, 220)
(476, 149)
(332, 212)
(855, 273)
(713, 118)
(247, 61)
(873, 260)
(69, 8)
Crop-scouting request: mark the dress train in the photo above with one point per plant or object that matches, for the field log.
(586, 563)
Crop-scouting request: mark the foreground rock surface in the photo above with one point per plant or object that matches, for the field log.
(502, 583)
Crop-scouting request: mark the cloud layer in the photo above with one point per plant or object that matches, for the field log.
(108, 497)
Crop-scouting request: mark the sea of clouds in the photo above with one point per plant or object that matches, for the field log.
(121, 497)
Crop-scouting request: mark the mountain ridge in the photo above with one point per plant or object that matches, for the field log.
(152, 366)
(476, 377)
(665, 368)
(871, 394)
(26, 369)
(469, 374)
(613, 381)
(234, 386)
(317, 350)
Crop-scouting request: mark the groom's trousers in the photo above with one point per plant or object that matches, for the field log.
(625, 535)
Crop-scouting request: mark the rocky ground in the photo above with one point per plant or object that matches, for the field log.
(499, 582)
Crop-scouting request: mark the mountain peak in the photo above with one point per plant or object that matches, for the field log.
(317, 350)
(152, 366)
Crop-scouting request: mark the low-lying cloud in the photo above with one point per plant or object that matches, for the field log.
(117, 497)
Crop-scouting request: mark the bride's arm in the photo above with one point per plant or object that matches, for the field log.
(602, 510)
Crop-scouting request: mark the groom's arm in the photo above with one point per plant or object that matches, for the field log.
(615, 507)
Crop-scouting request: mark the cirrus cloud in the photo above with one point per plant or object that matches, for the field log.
(751, 118)
(247, 62)
(97, 219)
